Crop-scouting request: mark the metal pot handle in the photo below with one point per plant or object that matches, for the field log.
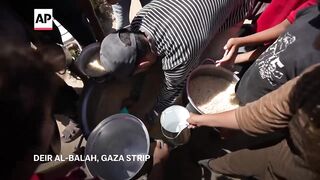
(164, 134)
(171, 138)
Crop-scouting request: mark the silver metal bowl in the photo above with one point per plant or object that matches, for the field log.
(207, 70)
(88, 61)
(120, 135)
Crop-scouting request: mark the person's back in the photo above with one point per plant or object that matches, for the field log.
(179, 31)
(174, 32)
(287, 57)
(179, 26)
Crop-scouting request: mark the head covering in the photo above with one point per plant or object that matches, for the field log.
(117, 57)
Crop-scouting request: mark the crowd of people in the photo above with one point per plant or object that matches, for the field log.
(278, 87)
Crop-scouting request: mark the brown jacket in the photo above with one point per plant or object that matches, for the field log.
(289, 107)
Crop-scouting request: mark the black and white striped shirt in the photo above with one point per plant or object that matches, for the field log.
(181, 29)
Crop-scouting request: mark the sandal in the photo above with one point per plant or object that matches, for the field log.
(71, 132)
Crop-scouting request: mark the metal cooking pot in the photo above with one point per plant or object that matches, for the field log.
(87, 116)
(120, 135)
(174, 125)
(88, 61)
(102, 99)
(207, 70)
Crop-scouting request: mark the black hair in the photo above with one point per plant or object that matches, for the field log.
(143, 47)
(306, 96)
(26, 87)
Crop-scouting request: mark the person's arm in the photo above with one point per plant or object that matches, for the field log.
(226, 120)
(244, 57)
(258, 38)
(174, 82)
(160, 156)
(270, 112)
(249, 56)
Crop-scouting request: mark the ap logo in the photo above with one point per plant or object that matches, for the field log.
(43, 19)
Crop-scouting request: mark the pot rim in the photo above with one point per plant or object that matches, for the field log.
(199, 68)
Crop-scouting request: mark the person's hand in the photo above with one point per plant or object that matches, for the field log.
(231, 51)
(161, 152)
(194, 121)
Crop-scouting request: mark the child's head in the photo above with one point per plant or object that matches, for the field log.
(306, 96)
(27, 89)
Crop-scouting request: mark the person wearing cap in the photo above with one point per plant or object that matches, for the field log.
(173, 32)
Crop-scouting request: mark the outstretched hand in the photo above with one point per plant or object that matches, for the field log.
(231, 51)
(161, 152)
(194, 121)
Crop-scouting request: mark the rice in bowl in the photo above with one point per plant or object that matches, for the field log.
(212, 94)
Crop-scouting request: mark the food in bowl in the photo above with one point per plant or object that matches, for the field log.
(212, 94)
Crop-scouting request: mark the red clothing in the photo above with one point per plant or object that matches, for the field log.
(36, 177)
(279, 10)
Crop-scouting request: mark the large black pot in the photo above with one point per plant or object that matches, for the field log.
(102, 99)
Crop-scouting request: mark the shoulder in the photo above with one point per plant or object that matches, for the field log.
(308, 11)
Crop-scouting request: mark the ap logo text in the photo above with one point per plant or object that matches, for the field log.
(43, 19)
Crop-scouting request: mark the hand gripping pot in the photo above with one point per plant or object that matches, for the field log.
(121, 135)
(174, 125)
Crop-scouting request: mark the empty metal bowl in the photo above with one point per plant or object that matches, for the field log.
(88, 61)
